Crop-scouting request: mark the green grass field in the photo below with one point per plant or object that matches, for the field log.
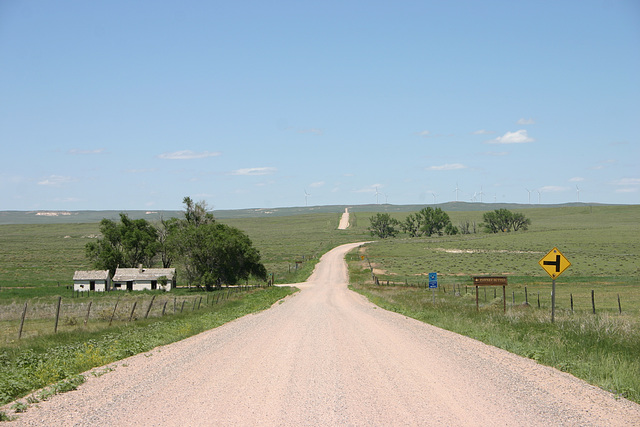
(44, 255)
(37, 262)
(602, 243)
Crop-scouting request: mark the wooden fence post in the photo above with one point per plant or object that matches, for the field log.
(24, 313)
(619, 306)
(86, 319)
(133, 310)
(571, 295)
(149, 308)
(164, 307)
(593, 301)
(55, 329)
(114, 310)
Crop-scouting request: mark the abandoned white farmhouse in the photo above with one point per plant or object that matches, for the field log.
(92, 280)
(139, 279)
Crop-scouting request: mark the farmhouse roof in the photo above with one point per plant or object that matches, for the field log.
(133, 274)
(91, 275)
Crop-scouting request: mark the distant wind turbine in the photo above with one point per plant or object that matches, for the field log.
(377, 194)
(306, 195)
(578, 190)
(539, 194)
(457, 190)
(481, 193)
(435, 195)
(529, 191)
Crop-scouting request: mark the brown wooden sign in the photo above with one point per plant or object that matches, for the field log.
(489, 281)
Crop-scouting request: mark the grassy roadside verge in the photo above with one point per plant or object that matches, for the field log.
(42, 361)
(600, 349)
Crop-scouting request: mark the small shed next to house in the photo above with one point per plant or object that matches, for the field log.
(92, 280)
(139, 279)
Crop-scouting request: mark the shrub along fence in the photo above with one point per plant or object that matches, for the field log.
(35, 318)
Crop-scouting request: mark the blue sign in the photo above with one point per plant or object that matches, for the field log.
(433, 280)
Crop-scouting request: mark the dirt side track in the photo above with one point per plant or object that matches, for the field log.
(326, 356)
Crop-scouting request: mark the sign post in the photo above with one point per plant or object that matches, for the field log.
(433, 285)
(554, 263)
(491, 281)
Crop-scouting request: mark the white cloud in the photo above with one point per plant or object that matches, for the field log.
(142, 170)
(447, 167)
(517, 137)
(484, 132)
(626, 190)
(66, 200)
(604, 164)
(524, 121)
(576, 179)
(254, 171)
(428, 134)
(188, 155)
(56, 180)
(496, 153)
(86, 152)
(554, 189)
(316, 184)
(628, 182)
(371, 189)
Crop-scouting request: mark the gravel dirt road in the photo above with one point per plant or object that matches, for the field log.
(328, 357)
(344, 220)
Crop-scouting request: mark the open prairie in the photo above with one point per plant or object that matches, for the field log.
(37, 262)
(601, 242)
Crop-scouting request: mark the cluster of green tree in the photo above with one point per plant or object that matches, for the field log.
(427, 222)
(209, 252)
(430, 221)
(504, 220)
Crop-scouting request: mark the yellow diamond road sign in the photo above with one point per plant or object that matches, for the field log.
(554, 263)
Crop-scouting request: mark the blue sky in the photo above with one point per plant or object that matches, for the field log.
(251, 104)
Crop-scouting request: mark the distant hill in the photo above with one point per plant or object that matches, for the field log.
(62, 217)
